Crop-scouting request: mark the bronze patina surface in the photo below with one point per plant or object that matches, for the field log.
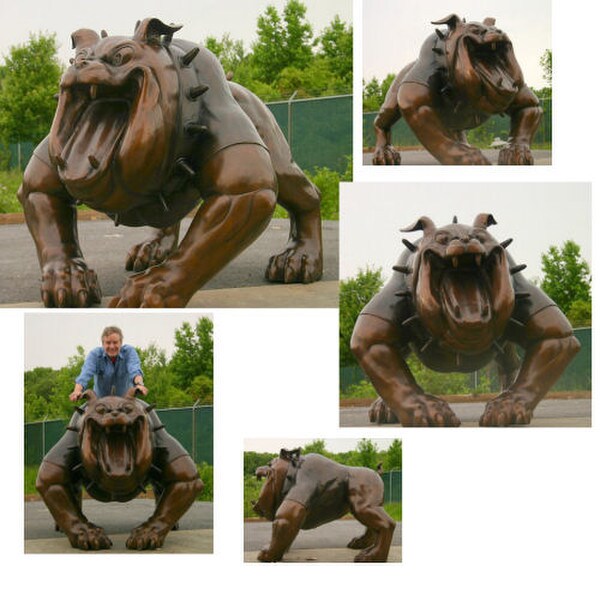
(146, 127)
(462, 76)
(305, 491)
(113, 448)
(458, 301)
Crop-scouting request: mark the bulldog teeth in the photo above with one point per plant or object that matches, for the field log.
(494, 46)
(478, 260)
(455, 262)
(93, 92)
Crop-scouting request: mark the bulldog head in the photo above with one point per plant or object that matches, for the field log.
(481, 63)
(115, 438)
(116, 115)
(275, 472)
(461, 283)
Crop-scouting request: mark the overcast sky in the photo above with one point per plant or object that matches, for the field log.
(394, 30)
(200, 18)
(52, 337)
(535, 215)
(332, 444)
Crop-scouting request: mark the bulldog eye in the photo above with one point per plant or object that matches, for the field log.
(441, 238)
(120, 57)
(101, 409)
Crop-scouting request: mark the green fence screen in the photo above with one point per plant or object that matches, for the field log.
(193, 427)
(577, 375)
(392, 483)
(496, 126)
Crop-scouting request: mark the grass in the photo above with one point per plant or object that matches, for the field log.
(9, 184)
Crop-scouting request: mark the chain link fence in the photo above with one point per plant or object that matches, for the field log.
(392, 483)
(192, 426)
(497, 126)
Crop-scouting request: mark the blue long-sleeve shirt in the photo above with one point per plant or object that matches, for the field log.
(110, 379)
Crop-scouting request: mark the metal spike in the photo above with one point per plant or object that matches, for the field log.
(410, 320)
(60, 161)
(71, 428)
(455, 219)
(79, 410)
(197, 91)
(183, 166)
(517, 268)
(150, 408)
(426, 345)
(437, 51)
(188, 57)
(116, 219)
(406, 294)
(195, 129)
(94, 161)
(56, 97)
(498, 347)
(506, 243)
(440, 34)
(402, 269)
(522, 295)
(163, 202)
(515, 322)
(104, 33)
(71, 61)
(409, 245)
(161, 426)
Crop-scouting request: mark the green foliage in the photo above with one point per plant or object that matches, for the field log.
(230, 52)
(9, 184)
(354, 294)
(28, 83)
(546, 64)
(566, 276)
(367, 453)
(374, 92)
(580, 313)
(253, 460)
(206, 474)
(393, 457)
(194, 352)
(336, 48)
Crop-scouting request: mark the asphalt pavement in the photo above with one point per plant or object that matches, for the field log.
(118, 519)
(326, 543)
(422, 157)
(240, 284)
(549, 413)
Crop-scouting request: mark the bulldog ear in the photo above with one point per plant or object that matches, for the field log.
(451, 21)
(489, 21)
(151, 30)
(84, 38)
(484, 220)
(89, 396)
(130, 392)
(262, 472)
(424, 224)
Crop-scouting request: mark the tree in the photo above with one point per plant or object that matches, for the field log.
(194, 352)
(282, 42)
(316, 446)
(546, 64)
(367, 453)
(29, 82)
(354, 294)
(336, 48)
(231, 53)
(566, 276)
(393, 457)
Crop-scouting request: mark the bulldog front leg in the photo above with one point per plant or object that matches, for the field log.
(544, 362)
(416, 105)
(376, 345)
(182, 487)
(286, 525)
(54, 486)
(525, 115)
(51, 217)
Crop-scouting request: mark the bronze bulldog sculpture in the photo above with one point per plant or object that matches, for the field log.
(113, 448)
(145, 128)
(458, 301)
(462, 77)
(303, 492)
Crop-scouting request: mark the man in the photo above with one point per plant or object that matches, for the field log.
(114, 366)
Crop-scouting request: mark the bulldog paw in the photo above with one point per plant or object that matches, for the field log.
(515, 154)
(69, 283)
(148, 536)
(155, 288)
(386, 155)
(381, 413)
(506, 410)
(301, 262)
(87, 536)
(424, 410)
(463, 154)
(150, 252)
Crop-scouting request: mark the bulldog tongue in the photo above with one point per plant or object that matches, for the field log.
(94, 139)
(464, 296)
(117, 456)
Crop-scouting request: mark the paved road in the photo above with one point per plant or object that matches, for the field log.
(422, 157)
(326, 543)
(194, 535)
(549, 413)
(105, 248)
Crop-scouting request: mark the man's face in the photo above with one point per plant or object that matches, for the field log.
(112, 344)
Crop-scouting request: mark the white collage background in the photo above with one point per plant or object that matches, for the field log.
(486, 513)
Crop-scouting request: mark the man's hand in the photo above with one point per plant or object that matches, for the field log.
(75, 395)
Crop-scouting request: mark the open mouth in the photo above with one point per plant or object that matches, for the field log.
(90, 127)
(492, 61)
(114, 445)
